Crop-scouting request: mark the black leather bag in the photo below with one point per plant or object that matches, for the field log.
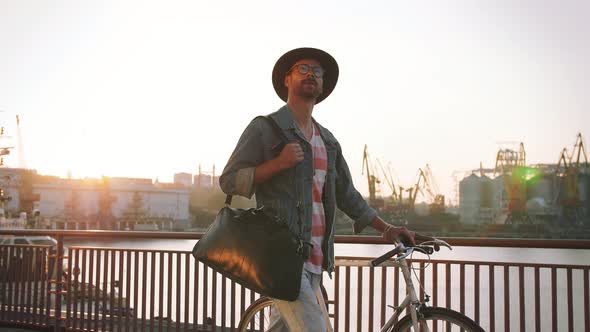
(254, 248)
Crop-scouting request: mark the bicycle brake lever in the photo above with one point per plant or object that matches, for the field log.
(436, 243)
(444, 244)
(424, 249)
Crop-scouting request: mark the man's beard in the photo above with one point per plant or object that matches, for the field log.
(306, 92)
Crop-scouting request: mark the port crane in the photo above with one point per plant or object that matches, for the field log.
(568, 169)
(511, 165)
(372, 180)
(396, 205)
(437, 205)
(396, 194)
(426, 185)
(4, 150)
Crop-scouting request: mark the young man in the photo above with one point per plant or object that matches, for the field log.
(302, 180)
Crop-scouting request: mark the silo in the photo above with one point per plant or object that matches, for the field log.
(469, 198)
(583, 187)
(587, 200)
(540, 195)
(500, 193)
(541, 188)
(486, 189)
(498, 198)
(568, 194)
(584, 191)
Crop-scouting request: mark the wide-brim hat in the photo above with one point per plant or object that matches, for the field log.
(286, 62)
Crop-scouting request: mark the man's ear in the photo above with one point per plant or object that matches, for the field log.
(286, 81)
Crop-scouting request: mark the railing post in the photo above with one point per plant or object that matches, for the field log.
(59, 256)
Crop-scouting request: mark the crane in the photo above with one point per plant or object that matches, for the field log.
(511, 165)
(437, 206)
(395, 194)
(579, 151)
(426, 185)
(396, 206)
(372, 180)
(567, 173)
(4, 150)
(418, 187)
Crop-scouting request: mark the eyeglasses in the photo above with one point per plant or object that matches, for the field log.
(304, 68)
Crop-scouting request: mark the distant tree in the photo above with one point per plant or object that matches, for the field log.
(72, 206)
(135, 210)
(26, 196)
(204, 205)
(104, 214)
(215, 200)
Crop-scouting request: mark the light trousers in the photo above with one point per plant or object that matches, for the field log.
(306, 314)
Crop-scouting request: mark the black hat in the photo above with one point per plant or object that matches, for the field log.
(286, 62)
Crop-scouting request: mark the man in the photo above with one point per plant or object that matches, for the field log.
(303, 180)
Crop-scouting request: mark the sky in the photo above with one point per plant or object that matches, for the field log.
(151, 88)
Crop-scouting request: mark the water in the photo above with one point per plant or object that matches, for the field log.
(517, 255)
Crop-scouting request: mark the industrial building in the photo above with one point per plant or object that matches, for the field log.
(200, 181)
(120, 203)
(185, 179)
(513, 192)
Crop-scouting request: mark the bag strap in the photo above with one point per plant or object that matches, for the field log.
(278, 131)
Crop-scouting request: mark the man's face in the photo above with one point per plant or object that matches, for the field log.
(303, 81)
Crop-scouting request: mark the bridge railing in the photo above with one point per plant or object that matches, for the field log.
(94, 289)
(24, 284)
(499, 296)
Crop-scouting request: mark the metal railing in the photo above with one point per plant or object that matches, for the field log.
(92, 289)
(498, 296)
(24, 288)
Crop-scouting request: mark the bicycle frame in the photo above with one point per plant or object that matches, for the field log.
(419, 314)
(410, 302)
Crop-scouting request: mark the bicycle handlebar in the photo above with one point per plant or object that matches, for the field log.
(379, 260)
(428, 246)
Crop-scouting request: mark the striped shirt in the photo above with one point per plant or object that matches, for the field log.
(318, 218)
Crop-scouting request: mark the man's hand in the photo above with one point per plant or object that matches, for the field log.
(291, 155)
(399, 234)
(393, 234)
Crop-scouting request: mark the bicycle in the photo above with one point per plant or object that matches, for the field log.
(420, 317)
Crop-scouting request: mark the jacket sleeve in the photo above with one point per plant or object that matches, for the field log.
(237, 177)
(348, 199)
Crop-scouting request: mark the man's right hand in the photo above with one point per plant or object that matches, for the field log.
(291, 155)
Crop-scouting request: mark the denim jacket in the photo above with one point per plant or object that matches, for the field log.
(293, 187)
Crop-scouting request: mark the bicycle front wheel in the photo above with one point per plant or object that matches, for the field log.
(257, 316)
(438, 319)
